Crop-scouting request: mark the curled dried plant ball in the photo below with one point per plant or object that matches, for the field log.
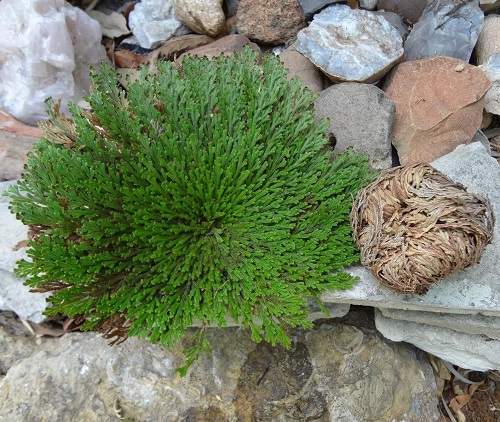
(197, 194)
(415, 226)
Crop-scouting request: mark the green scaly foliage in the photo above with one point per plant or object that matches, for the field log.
(197, 193)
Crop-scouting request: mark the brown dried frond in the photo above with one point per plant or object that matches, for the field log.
(115, 327)
(35, 231)
(415, 226)
(50, 286)
(58, 128)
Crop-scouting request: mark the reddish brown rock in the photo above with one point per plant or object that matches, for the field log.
(439, 105)
(301, 67)
(16, 139)
(226, 45)
(270, 21)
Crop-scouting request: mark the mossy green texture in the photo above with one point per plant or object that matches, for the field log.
(196, 193)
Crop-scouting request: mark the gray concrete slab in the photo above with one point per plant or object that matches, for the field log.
(471, 291)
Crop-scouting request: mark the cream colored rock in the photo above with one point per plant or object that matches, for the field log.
(439, 105)
(204, 17)
(488, 42)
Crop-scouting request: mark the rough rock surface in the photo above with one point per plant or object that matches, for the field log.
(269, 21)
(446, 28)
(361, 117)
(46, 48)
(439, 105)
(491, 69)
(337, 371)
(204, 17)
(468, 351)
(154, 21)
(16, 139)
(301, 67)
(471, 291)
(488, 42)
(351, 45)
(411, 10)
(225, 45)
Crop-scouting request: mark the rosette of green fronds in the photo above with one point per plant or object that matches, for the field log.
(198, 193)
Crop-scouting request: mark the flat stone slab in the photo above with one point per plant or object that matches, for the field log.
(471, 291)
(468, 351)
(470, 324)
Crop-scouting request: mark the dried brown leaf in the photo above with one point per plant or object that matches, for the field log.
(178, 45)
(127, 59)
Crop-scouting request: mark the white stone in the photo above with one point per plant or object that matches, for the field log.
(14, 296)
(204, 17)
(351, 44)
(154, 21)
(476, 352)
(492, 70)
(46, 48)
(12, 231)
(473, 290)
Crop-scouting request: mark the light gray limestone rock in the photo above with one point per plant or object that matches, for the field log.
(469, 324)
(12, 232)
(479, 136)
(154, 21)
(471, 291)
(46, 49)
(343, 371)
(361, 117)
(468, 351)
(492, 70)
(14, 296)
(351, 44)
(446, 28)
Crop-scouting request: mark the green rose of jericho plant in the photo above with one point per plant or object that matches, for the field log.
(195, 194)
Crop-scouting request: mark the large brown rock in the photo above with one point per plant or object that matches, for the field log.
(270, 21)
(301, 67)
(439, 105)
